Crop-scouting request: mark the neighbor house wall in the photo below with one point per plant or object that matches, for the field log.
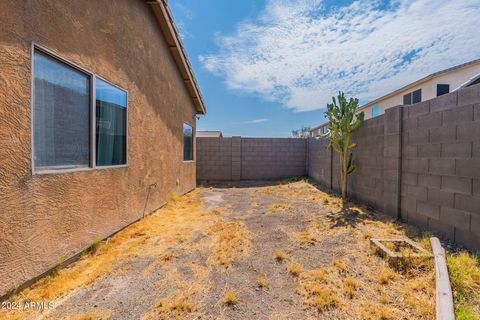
(454, 78)
(420, 163)
(47, 217)
(239, 158)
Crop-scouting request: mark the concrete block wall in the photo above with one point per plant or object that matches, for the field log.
(367, 181)
(214, 158)
(419, 163)
(441, 166)
(238, 158)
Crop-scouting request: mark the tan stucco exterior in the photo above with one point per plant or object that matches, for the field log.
(48, 217)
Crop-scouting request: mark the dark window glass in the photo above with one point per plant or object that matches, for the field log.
(111, 124)
(442, 89)
(187, 142)
(61, 115)
(407, 99)
(417, 96)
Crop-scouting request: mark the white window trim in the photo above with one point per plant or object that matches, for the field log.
(92, 124)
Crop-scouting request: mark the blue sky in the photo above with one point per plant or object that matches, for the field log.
(267, 67)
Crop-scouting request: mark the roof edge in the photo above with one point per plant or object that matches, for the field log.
(419, 81)
(177, 50)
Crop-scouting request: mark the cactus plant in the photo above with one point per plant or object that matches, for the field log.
(343, 121)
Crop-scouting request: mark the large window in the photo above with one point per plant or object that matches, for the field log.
(67, 130)
(187, 142)
(111, 126)
(61, 115)
(375, 111)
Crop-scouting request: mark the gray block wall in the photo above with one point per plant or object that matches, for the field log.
(419, 163)
(238, 158)
(441, 166)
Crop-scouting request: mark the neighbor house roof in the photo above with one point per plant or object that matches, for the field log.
(415, 83)
(171, 35)
(209, 134)
(419, 81)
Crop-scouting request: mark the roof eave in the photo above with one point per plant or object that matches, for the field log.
(171, 35)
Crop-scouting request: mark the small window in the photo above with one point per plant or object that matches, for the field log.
(407, 99)
(187, 142)
(61, 107)
(417, 96)
(111, 124)
(375, 111)
(442, 89)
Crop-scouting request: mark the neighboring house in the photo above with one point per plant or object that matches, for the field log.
(98, 105)
(427, 88)
(209, 134)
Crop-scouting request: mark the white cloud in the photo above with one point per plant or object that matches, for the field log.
(256, 121)
(299, 54)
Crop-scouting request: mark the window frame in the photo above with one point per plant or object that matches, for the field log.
(445, 85)
(193, 142)
(375, 107)
(418, 91)
(92, 108)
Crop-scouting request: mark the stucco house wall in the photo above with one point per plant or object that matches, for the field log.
(454, 78)
(47, 217)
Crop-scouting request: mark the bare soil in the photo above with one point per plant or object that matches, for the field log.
(181, 261)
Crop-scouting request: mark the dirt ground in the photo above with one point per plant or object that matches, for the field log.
(242, 251)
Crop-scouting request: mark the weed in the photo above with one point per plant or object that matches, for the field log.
(318, 275)
(279, 255)
(59, 266)
(277, 207)
(167, 256)
(92, 249)
(307, 238)
(367, 235)
(350, 287)
(385, 275)
(375, 311)
(340, 265)
(323, 299)
(182, 306)
(262, 281)
(463, 312)
(294, 269)
(464, 272)
(173, 197)
(230, 298)
(325, 201)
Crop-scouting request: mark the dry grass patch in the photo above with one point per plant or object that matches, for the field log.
(177, 309)
(385, 275)
(279, 207)
(262, 281)
(350, 287)
(323, 299)
(375, 311)
(279, 255)
(231, 241)
(340, 265)
(230, 298)
(92, 315)
(295, 269)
